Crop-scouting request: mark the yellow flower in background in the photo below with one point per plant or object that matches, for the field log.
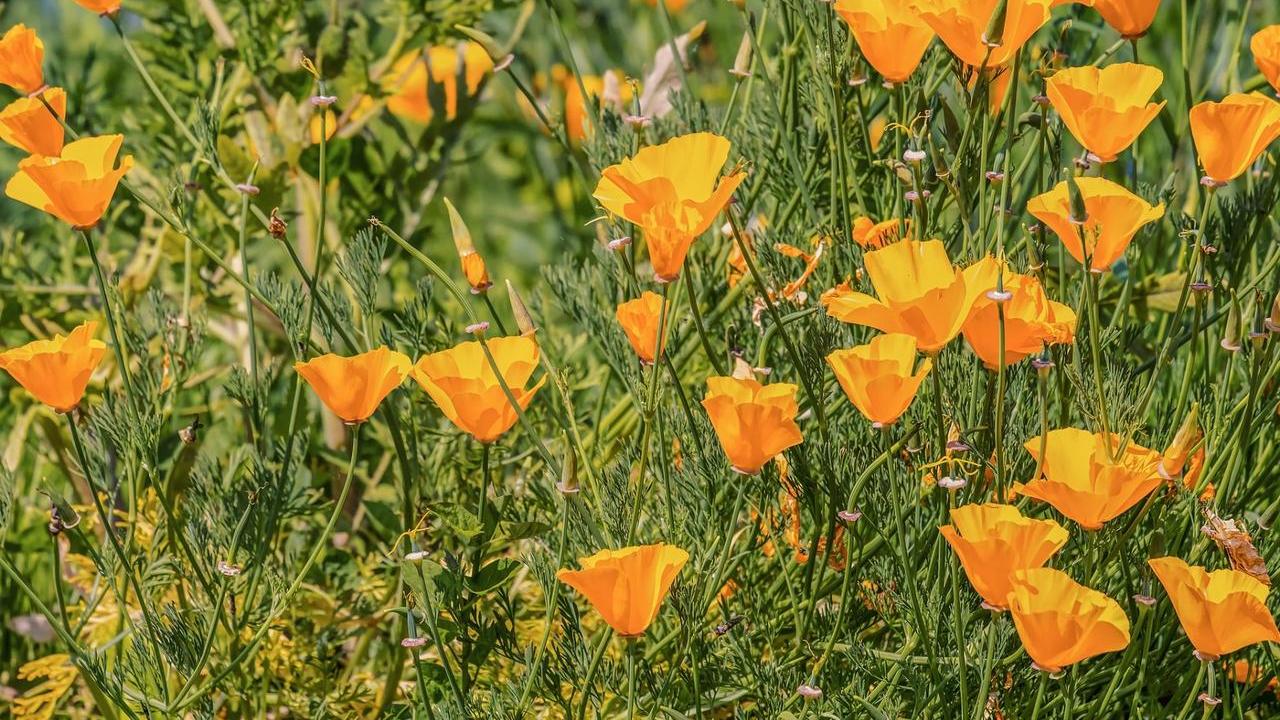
(1265, 46)
(1031, 321)
(1221, 611)
(1230, 135)
(76, 186)
(639, 319)
(1062, 622)
(22, 59)
(329, 123)
(992, 541)
(881, 377)
(962, 26)
(56, 372)
(425, 82)
(1130, 18)
(1115, 216)
(464, 386)
(353, 387)
(1106, 108)
(891, 36)
(473, 267)
(29, 126)
(673, 192)
(627, 586)
(753, 422)
(1081, 482)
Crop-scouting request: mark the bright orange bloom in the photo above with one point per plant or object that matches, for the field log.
(76, 186)
(22, 59)
(1184, 442)
(1106, 108)
(473, 266)
(627, 586)
(462, 383)
(873, 235)
(992, 541)
(1031, 321)
(639, 320)
(672, 5)
(607, 89)
(1231, 134)
(353, 387)
(920, 293)
(424, 83)
(1130, 18)
(56, 371)
(1265, 46)
(1062, 622)
(102, 7)
(878, 377)
(673, 192)
(1115, 215)
(1221, 611)
(754, 422)
(891, 37)
(962, 25)
(1083, 484)
(28, 125)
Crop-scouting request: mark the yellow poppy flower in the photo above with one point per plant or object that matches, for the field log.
(878, 377)
(22, 59)
(992, 541)
(1265, 46)
(627, 586)
(962, 25)
(1130, 18)
(56, 371)
(1106, 108)
(890, 35)
(464, 386)
(75, 187)
(873, 235)
(639, 320)
(1231, 134)
(29, 126)
(1062, 622)
(353, 387)
(102, 7)
(425, 82)
(1115, 216)
(1031, 321)
(753, 422)
(1221, 611)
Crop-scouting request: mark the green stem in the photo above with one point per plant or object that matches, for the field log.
(103, 288)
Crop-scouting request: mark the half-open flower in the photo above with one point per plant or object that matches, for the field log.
(1221, 611)
(56, 371)
(424, 84)
(1265, 46)
(353, 387)
(891, 36)
(754, 422)
(1062, 622)
(473, 267)
(872, 235)
(464, 386)
(992, 541)
(1115, 216)
(963, 24)
(1231, 134)
(76, 186)
(639, 319)
(627, 586)
(1031, 321)
(102, 7)
(880, 378)
(1130, 18)
(1106, 108)
(29, 126)
(22, 59)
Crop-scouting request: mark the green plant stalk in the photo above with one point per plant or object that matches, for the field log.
(716, 360)
(988, 663)
(650, 413)
(1195, 692)
(957, 624)
(549, 618)
(1044, 680)
(255, 407)
(107, 309)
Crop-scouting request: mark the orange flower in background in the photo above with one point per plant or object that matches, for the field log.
(1184, 442)
(672, 5)
(424, 83)
(1106, 108)
(1080, 482)
(1230, 135)
(1115, 216)
(1031, 321)
(75, 187)
(878, 377)
(873, 235)
(353, 387)
(1265, 46)
(463, 385)
(1062, 622)
(627, 586)
(891, 37)
(1243, 671)
(920, 293)
(29, 126)
(753, 422)
(1130, 18)
(992, 541)
(473, 267)
(102, 7)
(639, 319)
(962, 25)
(608, 89)
(56, 371)
(673, 192)
(22, 59)
(1221, 611)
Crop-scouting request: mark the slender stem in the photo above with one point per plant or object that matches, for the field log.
(1040, 684)
(107, 310)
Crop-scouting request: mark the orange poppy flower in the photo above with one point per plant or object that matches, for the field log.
(353, 387)
(873, 235)
(891, 37)
(56, 371)
(473, 267)
(22, 59)
(672, 5)
(1221, 611)
(992, 541)
(639, 320)
(673, 192)
(1031, 321)
(102, 7)
(1231, 134)
(753, 422)
(462, 383)
(1265, 46)
(1184, 442)
(627, 586)
(77, 185)
(1080, 482)
(962, 25)
(1130, 18)
(1106, 108)
(920, 293)
(1062, 622)
(29, 126)
(424, 83)
(1115, 215)
(878, 377)
(608, 89)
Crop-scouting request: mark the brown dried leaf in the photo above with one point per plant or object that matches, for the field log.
(1238, 546)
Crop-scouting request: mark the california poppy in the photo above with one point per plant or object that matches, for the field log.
(673, 192)
(1130, 18)
(57, 371)
(754, 422)
(881, 377)
(473, 267)
(873, 235)
(962, 26)
(1062, 622)
(607, 89)
(1184, 442)
(639, 319)
(891, 36)
(1082, 483)
(1231, 134)
(627, 586)
(424, 84)
(464, 386)
(353, 387)
(1265, 46)
(77, 185)
(29, 126)
(992, 541)
(102, 7)
(1221, 611)
(22, 59)
(1115, 216)
(1031, 321)
(1106, 108)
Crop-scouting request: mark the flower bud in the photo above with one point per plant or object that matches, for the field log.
(1079, 215)
(742, 63)
(472, 264)
(1188, 436)
(1231, 338)
(524, 320)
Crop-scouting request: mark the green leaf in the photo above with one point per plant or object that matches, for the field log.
(492, 576)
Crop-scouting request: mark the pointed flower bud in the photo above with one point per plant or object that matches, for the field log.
(1188, 436)
(1231, 338)
(742, 63)
(524, 320)
(472, 264)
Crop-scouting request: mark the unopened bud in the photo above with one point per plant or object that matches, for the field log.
(742, 62)
(568, 484)
(524, 320)
(994, 35)
(1272, 322)
(1079, 214)
(472, 264)
(1187, 437)
(1231, 338)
